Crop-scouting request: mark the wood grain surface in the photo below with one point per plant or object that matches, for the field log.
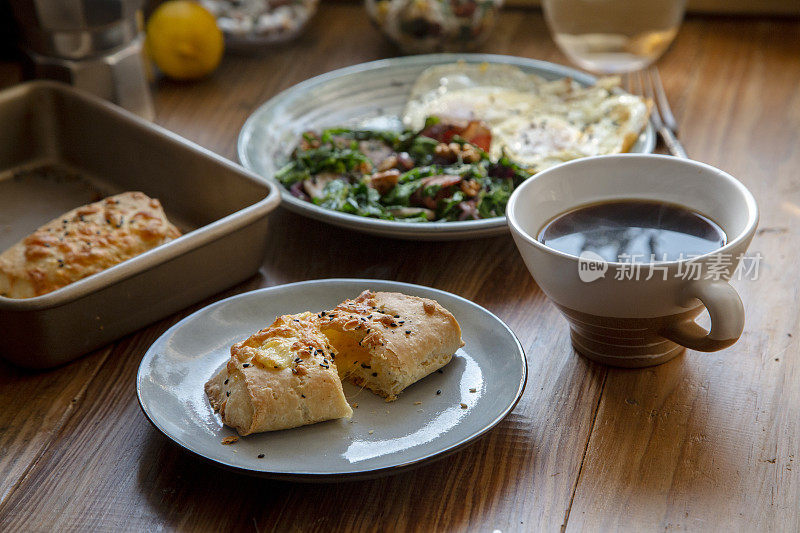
(705, 442)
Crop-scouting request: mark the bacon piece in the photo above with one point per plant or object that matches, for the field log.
(446, 182)
(384, 181)
(475, 132)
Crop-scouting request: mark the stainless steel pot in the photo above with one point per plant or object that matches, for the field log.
(94, 45)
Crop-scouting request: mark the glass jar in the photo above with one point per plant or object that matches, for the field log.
(421, 26)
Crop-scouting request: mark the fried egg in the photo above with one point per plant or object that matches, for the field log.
(536, 122)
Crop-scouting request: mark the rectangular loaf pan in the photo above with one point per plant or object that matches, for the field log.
(98, 149)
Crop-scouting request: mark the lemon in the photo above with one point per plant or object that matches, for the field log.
(183, 40)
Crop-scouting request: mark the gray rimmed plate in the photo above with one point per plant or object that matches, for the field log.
(425, 423)
(372, 95)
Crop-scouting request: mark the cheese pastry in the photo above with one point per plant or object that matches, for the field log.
(83, 242)
(282, 377)
(386, 340)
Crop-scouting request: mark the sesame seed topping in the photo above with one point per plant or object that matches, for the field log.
(463, 406)
(438, 392)
(261, 456)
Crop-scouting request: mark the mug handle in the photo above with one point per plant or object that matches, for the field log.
(726, 311)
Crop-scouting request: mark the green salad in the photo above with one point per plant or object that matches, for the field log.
(442, 173)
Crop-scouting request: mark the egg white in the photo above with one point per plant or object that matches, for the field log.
(536, 122)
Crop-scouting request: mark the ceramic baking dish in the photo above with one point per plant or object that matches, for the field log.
(60, 148)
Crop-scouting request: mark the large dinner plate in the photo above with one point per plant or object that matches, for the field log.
(426, 422)
(371, 95)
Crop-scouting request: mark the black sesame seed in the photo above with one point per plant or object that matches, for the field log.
(397, 316)
(438, 392)
(245, 365)
(302, 395)
(374, 374)
(324, 366)
(261, 456)
(440, 371)
(323, 313)
(364, 365)
(393, 324)
(408, 332)
(227, 393)
(226, 381)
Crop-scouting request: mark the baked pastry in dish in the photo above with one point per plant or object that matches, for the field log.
(387, 340)
(82, 242)
(281, 377)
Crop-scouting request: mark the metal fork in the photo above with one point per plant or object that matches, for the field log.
(648, 83)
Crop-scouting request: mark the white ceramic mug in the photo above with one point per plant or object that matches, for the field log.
(617, 315)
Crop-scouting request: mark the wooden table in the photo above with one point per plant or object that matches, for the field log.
(707, 441)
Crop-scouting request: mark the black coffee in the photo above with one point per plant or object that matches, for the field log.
(640, 231)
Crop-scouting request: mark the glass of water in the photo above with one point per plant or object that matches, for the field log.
(613, 36)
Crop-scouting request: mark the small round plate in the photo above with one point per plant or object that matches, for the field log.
(372, 95)
(426, 422)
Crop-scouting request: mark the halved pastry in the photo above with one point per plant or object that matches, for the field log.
(387, 340)
(282, 377)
